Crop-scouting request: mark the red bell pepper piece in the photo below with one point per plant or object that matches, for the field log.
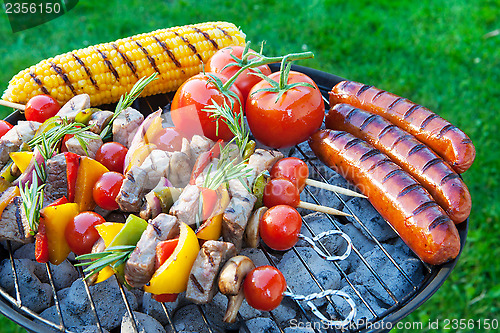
(165, 298)
(72, 162)
(164, 250)
(203, 160)
(209, 200)
(41, 244)
(61, 201)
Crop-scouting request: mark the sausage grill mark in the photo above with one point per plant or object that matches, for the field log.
(448, 177)
(169, 52)
(416, 148)
(352, 143)
(368, 154)
(63, 76)
(430, 163)
(344, 84)
(363, 89)
(423, 207)
(428, 120)
(466, 141)
(437, 221)
(338, 135)
(367, 121)
(39, 82)
(377, 95)
(86, 69)
(151, 60)
(386, 130)
(411, 110)
(207, 37)
(401, 139)
(126, 60)
(393, 104)
(191, 46)
(446, 129)
(408, 189)
(108, 64)
(392, 174)
(379, 163)
(351, 113)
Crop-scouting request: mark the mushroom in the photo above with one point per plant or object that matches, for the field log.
(251, 236)
(231, 279)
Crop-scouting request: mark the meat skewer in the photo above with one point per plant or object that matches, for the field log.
(12, 105)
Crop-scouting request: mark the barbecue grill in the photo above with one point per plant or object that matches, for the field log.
(434, 276)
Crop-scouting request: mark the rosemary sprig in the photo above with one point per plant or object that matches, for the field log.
(32, 197)
(126, 100)
(234, 121)
(113, 256)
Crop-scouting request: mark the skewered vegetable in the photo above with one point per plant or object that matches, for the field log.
(107, 71)
(40, 108)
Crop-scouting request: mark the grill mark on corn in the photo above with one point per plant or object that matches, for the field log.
(63, 76)
(408, 189)
(223, 31)
(207, 37)
(124, 57)
(108, 64)
(438, 221)
(368, 154)
(391, 174)
(86, 69)
(401, 139)
(415, 149)
(151, 60)
(445, 129)
(411, 110)
(379, 163)
(377, 95)
(428, 120)
(367, 121)
(423, 207)
(430, 163)
(386, 130)
(352, 143)
(39, 82)
(169, 52)
(188, 43)
(393, 104)
(448, 177)
(362, 90)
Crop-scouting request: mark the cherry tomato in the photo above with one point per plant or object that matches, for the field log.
(40, 108)
(4, 127)
(287, 120)
(263, 288)
(81, 234)
(281, 191)
(112, 156)
(106, 190)
(244, 81)
(293, 169)
(280, 226)
(167, 139)
(189, 102)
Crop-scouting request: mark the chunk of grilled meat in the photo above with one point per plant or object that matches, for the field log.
(140, 266)
(99, 120)
(202, 284)
(199, 144)
(186, 207)
(13, 223)
(73, 145)
(24, 131)
(263, 159)
(133, 190)
(56, 185)
(125, 126)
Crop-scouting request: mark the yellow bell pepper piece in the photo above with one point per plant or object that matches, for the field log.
(22, 159)
(108, 232)
(89, 172)
(140, 154)
(7, 196)
(172, 277)
(212, 228)
(153, 129)
(56, 219)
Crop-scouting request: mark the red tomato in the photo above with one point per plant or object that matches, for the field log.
(106, 190)
(40, 108)
(191, 99)
(287, 120)
(280, 226)
(293, 169)
(281, 191)
(4, 127)
(263, 288)
(244, 81)
(167, 139)
(112, 156)
(81, 234)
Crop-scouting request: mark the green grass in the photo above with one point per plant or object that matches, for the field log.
(432, 52)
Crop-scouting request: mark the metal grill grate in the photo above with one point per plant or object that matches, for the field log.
(431, 271)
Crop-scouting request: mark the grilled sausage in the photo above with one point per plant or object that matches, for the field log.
(445, 186)
(402, 201)
(453, 145)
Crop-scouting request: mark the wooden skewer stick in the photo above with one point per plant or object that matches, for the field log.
(334, 188)
(12, 105)
(322, 209)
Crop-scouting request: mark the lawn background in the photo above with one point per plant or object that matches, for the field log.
(437, 53)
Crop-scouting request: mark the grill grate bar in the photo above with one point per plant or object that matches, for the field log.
(127, 305)
(16, 278)
(169, 317)
(56, 298)
(207, 323)
(91, 299)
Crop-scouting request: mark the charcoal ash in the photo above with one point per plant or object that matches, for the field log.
(258, 257)
(70, 319)
(371, 219)
(86, 329)
(188, 319)
(261, 325)
(155, 309)
(286, 311)
(145, 324)
(27, 251)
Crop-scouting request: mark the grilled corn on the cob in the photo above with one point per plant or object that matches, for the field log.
(106, 71)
